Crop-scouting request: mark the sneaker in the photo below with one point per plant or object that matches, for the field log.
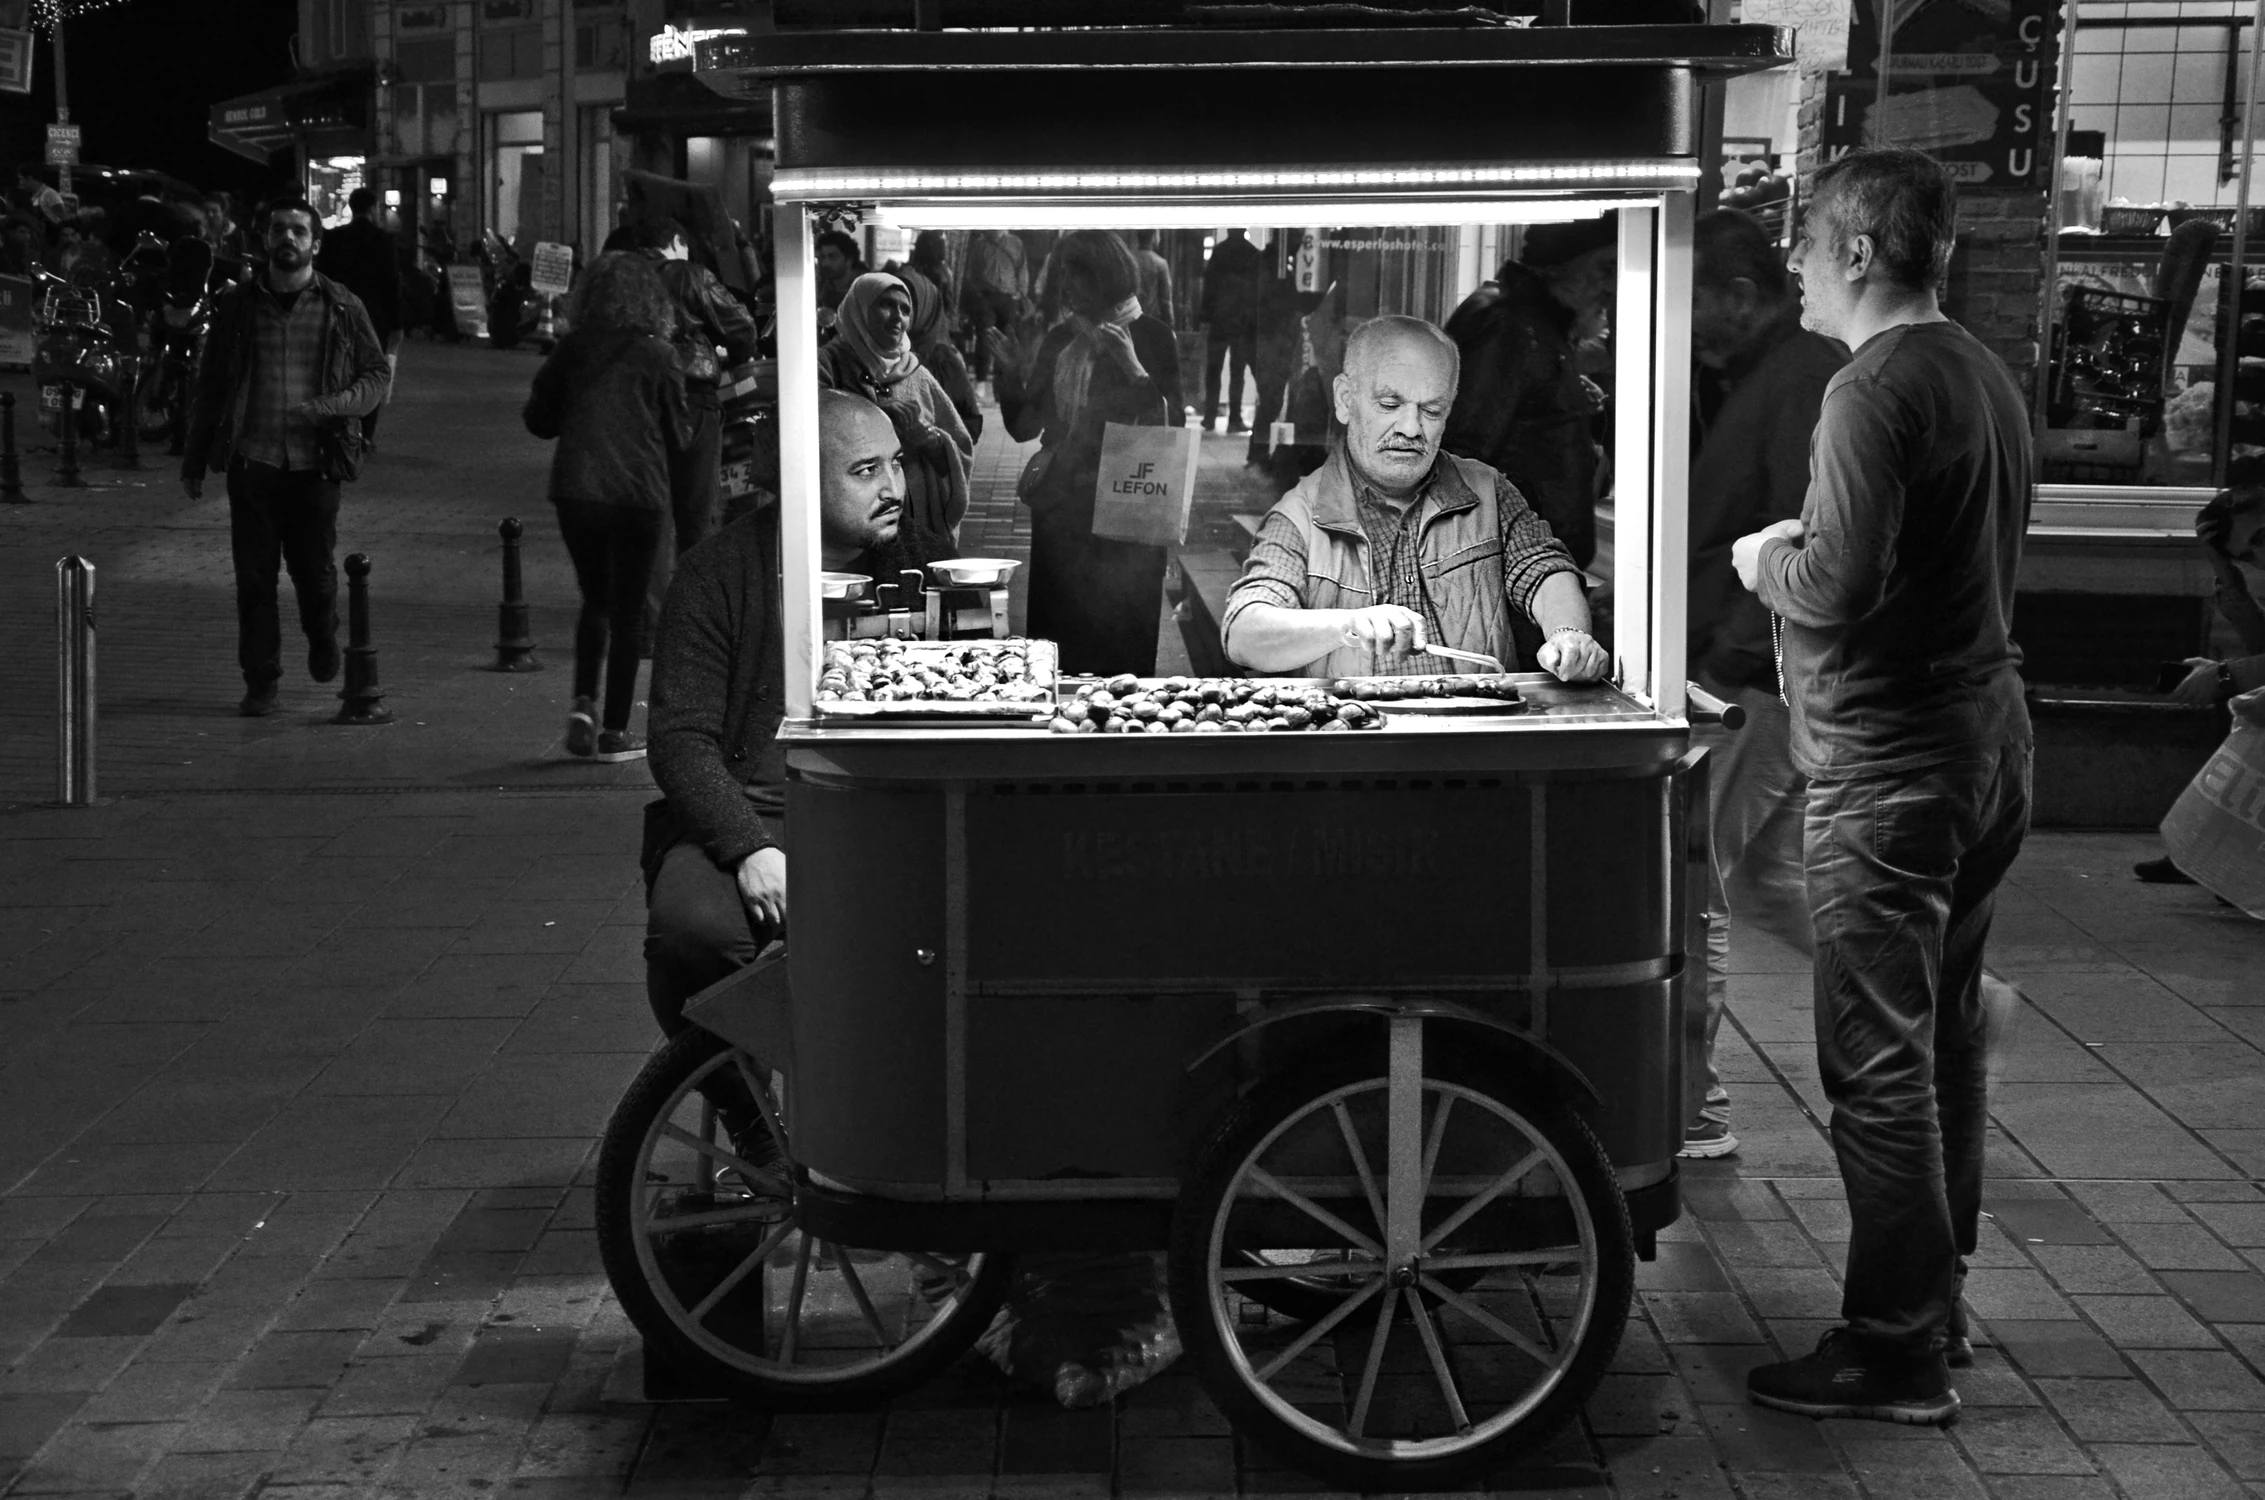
(258, 702)
(582, 727)
(620, 744)
(2161, 872)
(1844, 1379)
(322, 658)
(1708, 1138)
(1958, 1345)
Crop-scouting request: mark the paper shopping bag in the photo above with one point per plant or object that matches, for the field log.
(2216, 830)
(1146, 484)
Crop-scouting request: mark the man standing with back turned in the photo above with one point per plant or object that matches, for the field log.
(1894, 593)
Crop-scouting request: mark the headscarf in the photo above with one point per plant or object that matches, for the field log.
(854, 329)
(1073, 369)
(927, 308)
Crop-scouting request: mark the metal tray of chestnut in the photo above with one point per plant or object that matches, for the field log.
(1210, 705)
(1462, 694)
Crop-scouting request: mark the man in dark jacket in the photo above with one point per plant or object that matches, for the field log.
(361, 256)
(1524, 408)
(715, 861)
(291, 361)
(1229, 312)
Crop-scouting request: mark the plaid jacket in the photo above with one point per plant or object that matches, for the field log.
(352, 380)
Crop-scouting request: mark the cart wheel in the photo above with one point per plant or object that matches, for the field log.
(1403, 1181)
(697, 1226)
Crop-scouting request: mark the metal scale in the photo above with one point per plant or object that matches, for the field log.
(913, 609)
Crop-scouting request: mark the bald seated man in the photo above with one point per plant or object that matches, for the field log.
(1392, 545)
(715, 856)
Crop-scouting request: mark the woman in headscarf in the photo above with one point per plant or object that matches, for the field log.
(1098, 598)
(932, 346)
(871, 356)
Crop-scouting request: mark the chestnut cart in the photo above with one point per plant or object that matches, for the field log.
(1376, 1033)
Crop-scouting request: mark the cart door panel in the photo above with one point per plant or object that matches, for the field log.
(1609, 862)
(1092, 1086)
(865, 872)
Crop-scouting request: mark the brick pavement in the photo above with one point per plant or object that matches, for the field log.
(305, 1053)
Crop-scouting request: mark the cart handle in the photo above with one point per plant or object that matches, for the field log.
(1705, 708)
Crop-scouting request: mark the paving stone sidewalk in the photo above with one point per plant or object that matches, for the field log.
(304, 1056)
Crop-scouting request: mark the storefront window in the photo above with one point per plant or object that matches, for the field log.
(331, 180)
(2144, 297)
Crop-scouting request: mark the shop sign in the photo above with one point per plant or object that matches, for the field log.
(16, 323)
(1971, 87)
(506, 12)
(468, 300)
(1309, 261)
(252, 114)
(554, 269)
(415, 20)
(63, 145)
(16, 54)
(672, 44)
(1820, 29)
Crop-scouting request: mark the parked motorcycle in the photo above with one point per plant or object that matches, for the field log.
(173, 335)
(85, 354)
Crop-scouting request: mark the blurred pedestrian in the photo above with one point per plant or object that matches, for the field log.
(290, 362)
(36, 195)
(1097, 598)
(1229, 313)
(362, 256)
(840, 262)
(872, 357)
(931, 259)
(1524, 407)
(997, 292)
(932, 345)
(1894, 593)
(713, 334)
(1155, 279)
(23, 243)
(613, 394)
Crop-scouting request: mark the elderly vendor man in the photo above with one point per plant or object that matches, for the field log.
(1392, 546)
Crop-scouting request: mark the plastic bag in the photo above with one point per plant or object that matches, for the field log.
(1085, 1328)
(2216, 830)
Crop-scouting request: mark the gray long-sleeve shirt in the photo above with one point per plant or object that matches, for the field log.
(1898, 607)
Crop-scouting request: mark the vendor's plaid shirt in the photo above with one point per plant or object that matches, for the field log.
(1275, 571)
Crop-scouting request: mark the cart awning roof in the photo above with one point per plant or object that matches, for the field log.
(1139, 112)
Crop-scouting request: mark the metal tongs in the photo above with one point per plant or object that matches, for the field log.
(1476, 658)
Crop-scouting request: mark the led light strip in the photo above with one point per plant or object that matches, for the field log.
(1666, 173)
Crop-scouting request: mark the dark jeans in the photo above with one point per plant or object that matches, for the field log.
(987, 308)
(1903, 872)
(612, 547)
(1240, 350)
(697, 930)
(281, 519)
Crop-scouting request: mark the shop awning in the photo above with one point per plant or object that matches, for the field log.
(334, 107)
(682, 104)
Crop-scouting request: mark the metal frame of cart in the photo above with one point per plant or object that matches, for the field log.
(1106, 992)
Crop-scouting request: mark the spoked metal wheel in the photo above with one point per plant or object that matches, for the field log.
(1459, 1250)
(698, 1226)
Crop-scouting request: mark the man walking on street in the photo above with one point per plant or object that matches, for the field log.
(1894, 591)
(360, 255)
(1229, 313)
(998, 289)
(291, 361)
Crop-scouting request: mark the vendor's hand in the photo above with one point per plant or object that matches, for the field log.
(1573, 657)
(1746, 552)
(1116, 343)
(1002, 350)
(1388, 628)
(762, 885)
(2250, 706)
(2200, 685)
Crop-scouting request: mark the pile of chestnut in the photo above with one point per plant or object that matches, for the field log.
(1502, 687)
(1209, 705)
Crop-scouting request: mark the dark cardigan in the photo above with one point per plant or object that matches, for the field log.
(719, 692)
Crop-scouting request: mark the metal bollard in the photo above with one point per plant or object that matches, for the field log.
(67, 467)
(514, 646)
(365, 700)
(129, 421)
(74, 682)
(11, 469)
